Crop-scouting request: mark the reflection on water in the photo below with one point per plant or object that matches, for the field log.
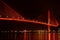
(30, 35)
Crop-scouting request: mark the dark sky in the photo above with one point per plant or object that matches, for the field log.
(34, 8)
(28, 8)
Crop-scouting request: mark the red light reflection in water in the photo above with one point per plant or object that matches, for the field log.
(25, 34)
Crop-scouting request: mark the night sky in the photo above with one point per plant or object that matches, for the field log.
(29, 8)
(32, 9)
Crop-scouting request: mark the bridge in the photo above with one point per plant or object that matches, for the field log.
(7, 13)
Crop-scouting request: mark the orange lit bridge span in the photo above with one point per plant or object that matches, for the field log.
(32, 21)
